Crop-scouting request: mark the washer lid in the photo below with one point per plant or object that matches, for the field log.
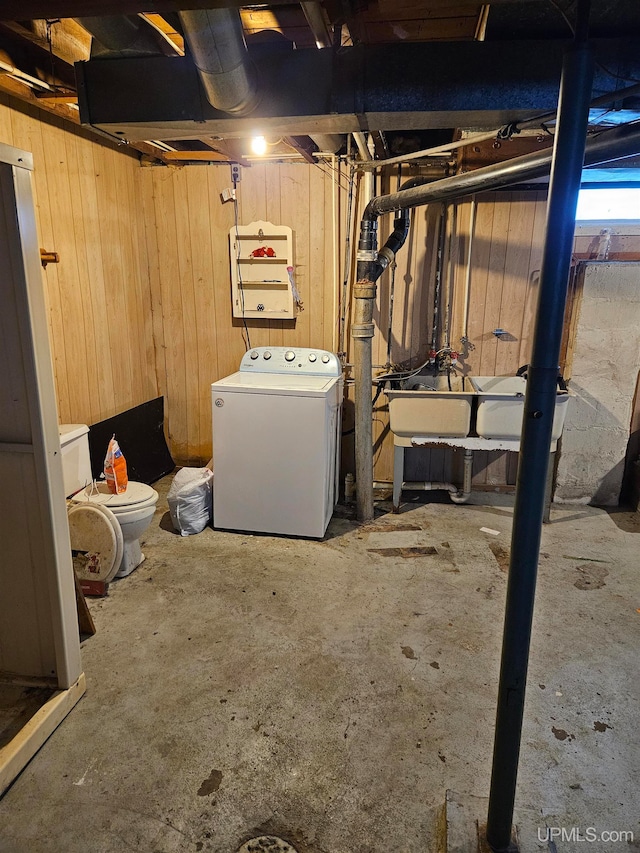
(96, 542)
(276, 383)
(136, 493)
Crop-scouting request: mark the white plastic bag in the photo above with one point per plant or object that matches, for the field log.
(190, 500)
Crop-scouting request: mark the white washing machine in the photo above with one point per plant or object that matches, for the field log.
(276, 442)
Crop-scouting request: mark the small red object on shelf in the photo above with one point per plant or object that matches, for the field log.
(263, 252)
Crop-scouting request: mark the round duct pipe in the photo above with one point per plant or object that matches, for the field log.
(216, 41)
(328, 143)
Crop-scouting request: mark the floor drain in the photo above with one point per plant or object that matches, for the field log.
(267, 844)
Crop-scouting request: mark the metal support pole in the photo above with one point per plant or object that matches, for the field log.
(568, 154)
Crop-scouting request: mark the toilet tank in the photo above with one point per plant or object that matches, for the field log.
(76, 463)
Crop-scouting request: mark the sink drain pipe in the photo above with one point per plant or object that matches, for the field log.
(371, 263)
(457, 495)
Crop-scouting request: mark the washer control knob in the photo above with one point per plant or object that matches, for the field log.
(325, 359)
(312, 356)
(289, 355)
(254, 354)
(266, 355)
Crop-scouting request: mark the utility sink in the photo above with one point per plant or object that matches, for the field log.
(501, 407)
(425, 406)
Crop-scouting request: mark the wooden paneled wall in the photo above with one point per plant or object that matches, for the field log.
(88, 210)
(187, 243)
(140, 303)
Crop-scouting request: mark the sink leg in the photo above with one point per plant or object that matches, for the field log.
(398, 476)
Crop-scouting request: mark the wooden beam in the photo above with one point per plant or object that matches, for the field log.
(232, 148)
(69, 41)
(167, 32)
(25, 93)
(56, 97)
(292, 142)
(194, 156)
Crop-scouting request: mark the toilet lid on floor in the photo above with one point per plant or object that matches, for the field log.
(96, 541)
(136, 493)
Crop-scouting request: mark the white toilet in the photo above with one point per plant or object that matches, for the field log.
(133, 509)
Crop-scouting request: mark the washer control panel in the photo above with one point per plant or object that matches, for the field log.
(304, 360)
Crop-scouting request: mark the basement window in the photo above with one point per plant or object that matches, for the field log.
(609, 204)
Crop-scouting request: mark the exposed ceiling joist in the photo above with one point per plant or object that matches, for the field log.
(69, 41)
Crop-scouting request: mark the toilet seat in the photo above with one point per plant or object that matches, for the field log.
(97, 543)
(132, 512)
(136, 496)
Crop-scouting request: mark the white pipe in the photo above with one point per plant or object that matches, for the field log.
(429, 486)
(34, 82)
(463, 495)
(361, 143)
(467, 274)
(457, 495)
(364, 149)
(449, 268)
(336, 260)
(427, 152)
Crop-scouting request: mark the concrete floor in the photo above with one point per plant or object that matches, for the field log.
(240, 685)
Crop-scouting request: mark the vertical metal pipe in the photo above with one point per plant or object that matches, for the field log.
(568, 154)
(362, 332)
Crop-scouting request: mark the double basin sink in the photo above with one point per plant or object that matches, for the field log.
(442, 407)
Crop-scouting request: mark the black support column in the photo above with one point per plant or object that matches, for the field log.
(568, 154)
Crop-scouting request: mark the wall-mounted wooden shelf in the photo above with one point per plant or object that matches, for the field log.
(260, 287)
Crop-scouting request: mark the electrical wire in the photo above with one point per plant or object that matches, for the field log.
(245, 333)
(340, 178)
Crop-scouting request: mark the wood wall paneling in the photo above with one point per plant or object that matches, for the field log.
(189, 266)
(88, 210)
(140, 303)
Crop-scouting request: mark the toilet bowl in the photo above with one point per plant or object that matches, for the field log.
(133, 508)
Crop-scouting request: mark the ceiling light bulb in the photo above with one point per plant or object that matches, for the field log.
(259, 145)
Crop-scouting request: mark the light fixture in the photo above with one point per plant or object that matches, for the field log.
(259, 145)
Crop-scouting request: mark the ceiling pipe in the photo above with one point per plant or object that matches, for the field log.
(123, 35)
(608, 145)
(329, 143)
(216, 41)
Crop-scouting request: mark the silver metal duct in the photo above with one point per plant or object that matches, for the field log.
(328, 142)
(123, 35)
(216, 40)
